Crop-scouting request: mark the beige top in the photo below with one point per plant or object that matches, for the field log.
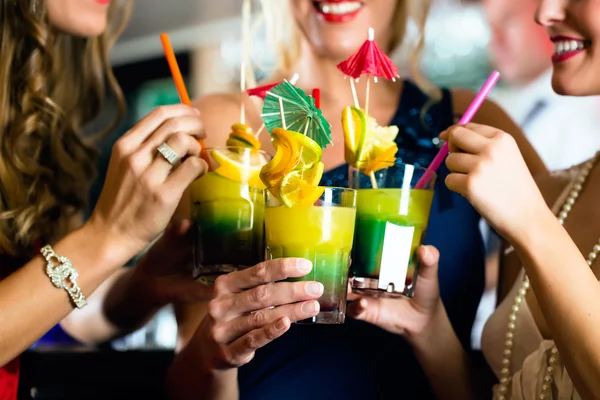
(530, 352)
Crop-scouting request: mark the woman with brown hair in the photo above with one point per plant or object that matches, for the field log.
(54, 72)
(311, 38)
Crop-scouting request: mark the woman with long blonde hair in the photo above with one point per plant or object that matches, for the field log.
(355, 360)
(54, 75)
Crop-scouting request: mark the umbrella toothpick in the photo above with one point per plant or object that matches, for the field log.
(259, 131)
(243, 90)
(282, 113)
(354, 96)
(373, 180)
(367, 99)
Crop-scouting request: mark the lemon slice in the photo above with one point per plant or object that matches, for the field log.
(239, 167)
(384, 159)
(354, 126)
(300, 187)
(242, 136)
(310, 151)
(286, 158)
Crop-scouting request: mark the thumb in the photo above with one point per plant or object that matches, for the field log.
(429, 257)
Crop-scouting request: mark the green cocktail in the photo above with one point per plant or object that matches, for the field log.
(228, 213)
(391, 222)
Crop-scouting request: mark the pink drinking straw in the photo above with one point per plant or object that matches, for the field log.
(466, 118)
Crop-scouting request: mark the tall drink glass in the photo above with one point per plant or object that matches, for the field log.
(228, 212)
(391, 221)
(322, 233)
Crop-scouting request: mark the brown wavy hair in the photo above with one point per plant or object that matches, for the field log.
(53, 84)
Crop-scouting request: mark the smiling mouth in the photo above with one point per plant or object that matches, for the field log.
(338, 11)
(566, 47)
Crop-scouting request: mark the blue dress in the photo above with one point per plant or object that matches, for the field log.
(360, 361)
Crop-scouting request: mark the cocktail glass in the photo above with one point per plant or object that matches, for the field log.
(228, 212)
(322, 233)
(391, 221)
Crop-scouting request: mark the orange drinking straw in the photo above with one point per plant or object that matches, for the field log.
(176, 72)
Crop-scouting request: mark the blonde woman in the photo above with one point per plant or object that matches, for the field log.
(53, 74)
(542, 340)
(353, 361)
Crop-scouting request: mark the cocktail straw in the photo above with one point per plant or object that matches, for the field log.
(176, 73)
(466, 118)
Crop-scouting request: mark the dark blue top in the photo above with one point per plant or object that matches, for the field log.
(360, 361)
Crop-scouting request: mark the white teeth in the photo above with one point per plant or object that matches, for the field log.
(339, 8)
(565, 46)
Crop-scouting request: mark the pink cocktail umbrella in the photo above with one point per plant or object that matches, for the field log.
(368, 60)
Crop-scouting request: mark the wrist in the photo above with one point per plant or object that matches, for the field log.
(436, 326)
(541, 222)
(109, 246)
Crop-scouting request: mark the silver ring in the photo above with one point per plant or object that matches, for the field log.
(168, 154)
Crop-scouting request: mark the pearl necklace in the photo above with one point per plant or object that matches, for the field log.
(520, 297)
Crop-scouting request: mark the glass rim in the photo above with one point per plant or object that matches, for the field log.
(417, 167)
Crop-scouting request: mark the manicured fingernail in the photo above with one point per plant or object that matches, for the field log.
(314, 288)
(310, 308)
(303, 265)
(281, 324)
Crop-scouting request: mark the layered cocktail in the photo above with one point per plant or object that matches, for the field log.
(309, 221)
(391, 221)
(228, 212)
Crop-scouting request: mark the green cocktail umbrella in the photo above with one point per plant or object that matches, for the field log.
(290, 108)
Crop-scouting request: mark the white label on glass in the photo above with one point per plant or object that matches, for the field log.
(395, 257)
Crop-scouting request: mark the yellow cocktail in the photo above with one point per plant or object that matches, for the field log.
(322, 233)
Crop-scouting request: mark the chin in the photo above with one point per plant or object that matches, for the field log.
(89, 30)
(575, 84)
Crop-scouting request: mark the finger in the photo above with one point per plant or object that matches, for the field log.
(150, 123)
(350, 295)
(190, 125)
(242, 350)
(182, 176)
(457, 183)
(483, 130)
(385, 313)
(270, 295)
(466, 140)
(238, 327)
(429, 257)
(183, 145)
(461, 162)
(265, 272)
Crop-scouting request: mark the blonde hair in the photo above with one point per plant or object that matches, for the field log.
(284, 36)
(52, 85)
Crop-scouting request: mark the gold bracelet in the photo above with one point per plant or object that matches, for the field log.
(63, 275)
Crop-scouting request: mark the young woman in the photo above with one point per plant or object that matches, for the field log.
(542, 341)
(53, 73)
(317, 361)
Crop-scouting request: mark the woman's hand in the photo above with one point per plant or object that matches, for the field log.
(248, 311)
(410, 317)
(164, 275)
(142, 189)
(489, 171)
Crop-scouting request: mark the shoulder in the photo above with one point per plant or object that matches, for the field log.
(218, 111)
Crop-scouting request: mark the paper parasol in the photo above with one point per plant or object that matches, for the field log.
(369, 60)
(261, 91)
(289, 107)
